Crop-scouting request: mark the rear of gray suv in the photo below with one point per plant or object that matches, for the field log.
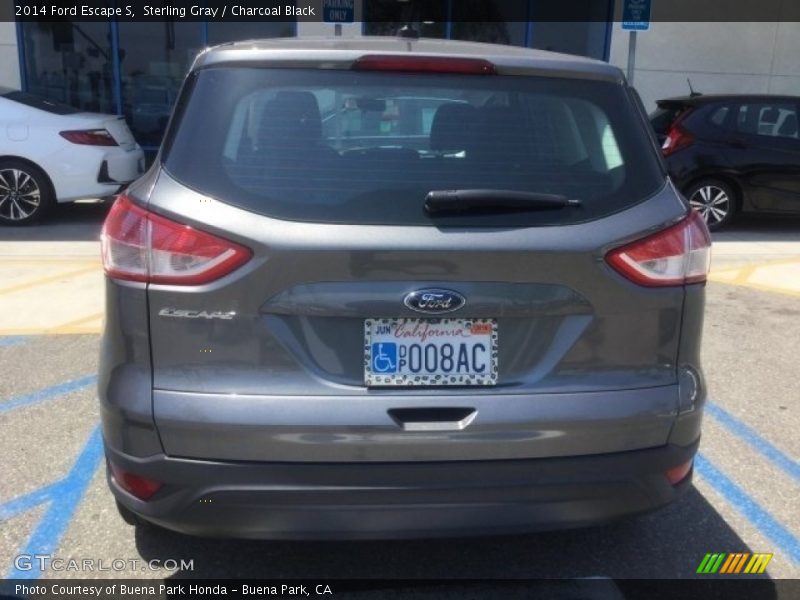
(401, 288)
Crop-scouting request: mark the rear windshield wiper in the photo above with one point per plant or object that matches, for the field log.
(450, 201)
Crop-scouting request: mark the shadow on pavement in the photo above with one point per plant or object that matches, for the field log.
(756, 228)
(669, 543)
(67, 223)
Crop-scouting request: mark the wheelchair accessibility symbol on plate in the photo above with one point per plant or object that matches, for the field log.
(384, 358)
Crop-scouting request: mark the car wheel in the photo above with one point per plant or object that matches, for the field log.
(25, 193)
(714, 200)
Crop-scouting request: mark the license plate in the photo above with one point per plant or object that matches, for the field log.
(430, 352)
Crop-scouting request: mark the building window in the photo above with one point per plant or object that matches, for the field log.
(386, 17)
(154, 58)
(581, 38)
(515, 22)
(490, 21)
(221, 32)
(70, 62)
(584, 38)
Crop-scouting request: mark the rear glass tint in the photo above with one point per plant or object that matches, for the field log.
(366, 147)
(768, 119)
(38, 102)
(662, 118)
(719, 116)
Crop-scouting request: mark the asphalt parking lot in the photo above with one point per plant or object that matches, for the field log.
(53, 498)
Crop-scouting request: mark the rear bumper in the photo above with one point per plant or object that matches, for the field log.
(364, 428)
(123, 167)
(400, 500)
(92, 171)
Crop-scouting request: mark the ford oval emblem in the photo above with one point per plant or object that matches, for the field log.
(434, 301)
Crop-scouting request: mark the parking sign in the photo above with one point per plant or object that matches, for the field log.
(636, 15)
(338, 11)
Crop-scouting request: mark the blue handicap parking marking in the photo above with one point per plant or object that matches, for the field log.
(7, 341)
(754, 439)
(759, 517)
(14, 507)
(63, 498)
(384, 357)
(48, 393)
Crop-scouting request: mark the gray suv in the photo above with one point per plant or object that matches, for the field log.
(401, 288)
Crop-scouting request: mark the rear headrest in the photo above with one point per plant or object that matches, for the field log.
(789, 126)
(290, 118)
(451, 130)
(770, 115)
(504, 133)
(747, 121)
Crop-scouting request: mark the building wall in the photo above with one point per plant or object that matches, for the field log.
(717, 57)
(9, 56)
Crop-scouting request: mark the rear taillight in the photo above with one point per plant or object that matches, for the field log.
(676, 475)
(677, 139)
(137, 485)
(677, 255)
(424, 64)
(139, 245)
(89, 137)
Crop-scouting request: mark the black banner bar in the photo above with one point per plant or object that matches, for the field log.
(412, 10)
(707, 588)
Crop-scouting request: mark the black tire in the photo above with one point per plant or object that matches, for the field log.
(127, 514)
(715, 200)
(26, 194)
(134, 520)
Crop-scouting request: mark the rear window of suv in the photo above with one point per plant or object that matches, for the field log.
(366, 147)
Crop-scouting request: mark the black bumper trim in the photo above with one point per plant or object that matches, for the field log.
(401, 500)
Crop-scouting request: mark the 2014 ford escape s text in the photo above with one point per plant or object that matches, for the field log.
(401, 288)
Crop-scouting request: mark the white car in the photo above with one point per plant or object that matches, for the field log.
(51, 152)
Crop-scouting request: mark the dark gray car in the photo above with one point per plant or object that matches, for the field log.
(392, 287)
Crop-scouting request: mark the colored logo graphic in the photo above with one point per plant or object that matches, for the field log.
(384, 358)
(731, 564)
